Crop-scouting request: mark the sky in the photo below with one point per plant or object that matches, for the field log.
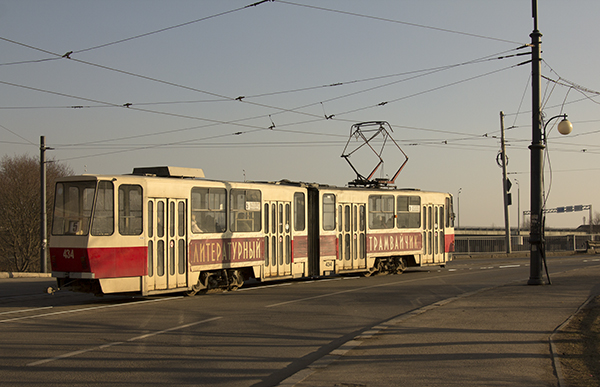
(270, 90)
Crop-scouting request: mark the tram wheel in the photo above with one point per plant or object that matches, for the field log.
(195, 289)
(401, 266)
(236, 280)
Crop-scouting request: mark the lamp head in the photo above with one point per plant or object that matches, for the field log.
(565, 127)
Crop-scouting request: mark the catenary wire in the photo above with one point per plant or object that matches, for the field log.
(397, 22)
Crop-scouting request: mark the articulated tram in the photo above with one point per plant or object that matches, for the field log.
(168, 229)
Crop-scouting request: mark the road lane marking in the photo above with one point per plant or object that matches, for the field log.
(75, 353)
(86, 309)
(505, 266)
(263, 287)
(173, 329)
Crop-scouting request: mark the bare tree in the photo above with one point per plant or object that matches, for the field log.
(20, 209)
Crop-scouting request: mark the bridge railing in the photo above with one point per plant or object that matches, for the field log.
(497, 243)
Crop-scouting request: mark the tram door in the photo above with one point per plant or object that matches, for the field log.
(351, 235)
(433, 234)
(167, 244)
(278, 238)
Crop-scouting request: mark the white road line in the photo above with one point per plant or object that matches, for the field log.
(27, 310)
(505, 266)
(86, 309)
(263, 287)
(315, 297)
(75, 353)
(173, 329)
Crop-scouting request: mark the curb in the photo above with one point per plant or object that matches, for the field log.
(553, 351)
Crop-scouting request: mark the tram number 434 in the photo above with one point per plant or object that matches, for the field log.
(69, 254)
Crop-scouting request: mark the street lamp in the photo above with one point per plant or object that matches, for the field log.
(564, 127)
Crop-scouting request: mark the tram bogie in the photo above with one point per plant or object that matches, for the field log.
(166, 229)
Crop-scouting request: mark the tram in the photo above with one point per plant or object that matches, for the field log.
(169, 229)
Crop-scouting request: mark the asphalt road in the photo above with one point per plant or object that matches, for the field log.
(255, 336)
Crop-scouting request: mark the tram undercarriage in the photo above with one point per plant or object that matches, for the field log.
(388, 265)
(225, 279)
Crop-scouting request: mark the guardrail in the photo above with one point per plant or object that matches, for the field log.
(474, 244)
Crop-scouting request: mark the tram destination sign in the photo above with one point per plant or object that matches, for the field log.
(394, 242)
(228, 250)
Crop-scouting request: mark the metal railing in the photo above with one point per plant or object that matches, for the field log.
(497, 244)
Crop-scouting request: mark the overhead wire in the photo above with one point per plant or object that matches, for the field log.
(429, 90)
(132, 37)
(224, 98)
(15, 134)
(129, 105)
(132, 106)
(421, 73)
(164, 29)
(397, 22)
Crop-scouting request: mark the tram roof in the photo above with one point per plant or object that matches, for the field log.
(167, 171)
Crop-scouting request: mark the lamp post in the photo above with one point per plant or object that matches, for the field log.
(537, 224)
(537, 148)
(537, 245)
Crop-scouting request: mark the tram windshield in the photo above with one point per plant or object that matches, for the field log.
(73, 207)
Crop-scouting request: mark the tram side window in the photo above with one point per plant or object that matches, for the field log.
(449, 213)
(409, 211)
(381, 211)
(104, 217)
(245, 210)
(328, 212)
(209, 206)
(130, 209)
(73, 208)
(299, 211)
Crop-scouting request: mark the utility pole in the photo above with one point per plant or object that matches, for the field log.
(591, 222)
(505, 186)
(43, 215)
(537, 148)
(518, 210)
(458, 207)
